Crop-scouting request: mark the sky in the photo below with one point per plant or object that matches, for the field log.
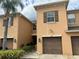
(73, 4)
(30, 12)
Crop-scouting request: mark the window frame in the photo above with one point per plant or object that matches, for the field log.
(4, 22)
(54, 16)
(9, 20)
(71, 19)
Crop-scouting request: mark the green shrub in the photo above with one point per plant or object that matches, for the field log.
(28, 48)
(11, 54)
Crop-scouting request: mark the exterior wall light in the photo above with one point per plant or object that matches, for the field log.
(15, 40)
(39, 40)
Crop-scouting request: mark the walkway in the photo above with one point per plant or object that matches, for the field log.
(34, 55)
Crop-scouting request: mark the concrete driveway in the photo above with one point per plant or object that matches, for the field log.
(34, 55)
(51, 56)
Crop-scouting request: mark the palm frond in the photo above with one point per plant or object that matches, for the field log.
(29, 1)
(10, 5)
(1, 1)
(21, 5)
(15, 2)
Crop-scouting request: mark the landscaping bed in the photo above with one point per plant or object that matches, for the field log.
(11, 54)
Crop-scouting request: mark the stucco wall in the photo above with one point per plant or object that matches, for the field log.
(24, 31)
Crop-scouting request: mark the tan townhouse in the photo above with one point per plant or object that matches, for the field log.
(57, 29)
(19, 31)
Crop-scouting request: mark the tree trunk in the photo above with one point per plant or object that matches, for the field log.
(4, 46)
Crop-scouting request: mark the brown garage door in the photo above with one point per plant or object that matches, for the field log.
(52, 45)
(75, 45)
(9, 43)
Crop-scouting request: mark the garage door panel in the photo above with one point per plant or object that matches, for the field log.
(52, 45)
(10, 44)
(75, 45)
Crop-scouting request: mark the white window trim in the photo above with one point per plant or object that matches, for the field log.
(56, 35)
(9, 22)
(51, 16)
(72, 18)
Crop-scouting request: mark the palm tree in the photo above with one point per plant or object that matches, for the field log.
(9, 7)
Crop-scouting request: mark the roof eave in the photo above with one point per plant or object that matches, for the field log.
(52, 3)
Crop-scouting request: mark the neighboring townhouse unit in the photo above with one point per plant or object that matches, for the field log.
(19, 31)
(73, 20)
(57, 29)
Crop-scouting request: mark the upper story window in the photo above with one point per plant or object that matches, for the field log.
(51, 16)
(10, 21)
(4, 22)
(34, 27)
(71, 18)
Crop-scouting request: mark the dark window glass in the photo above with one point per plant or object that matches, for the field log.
(4, 22)
(10, 21)
(71, 18)
(51, 16)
